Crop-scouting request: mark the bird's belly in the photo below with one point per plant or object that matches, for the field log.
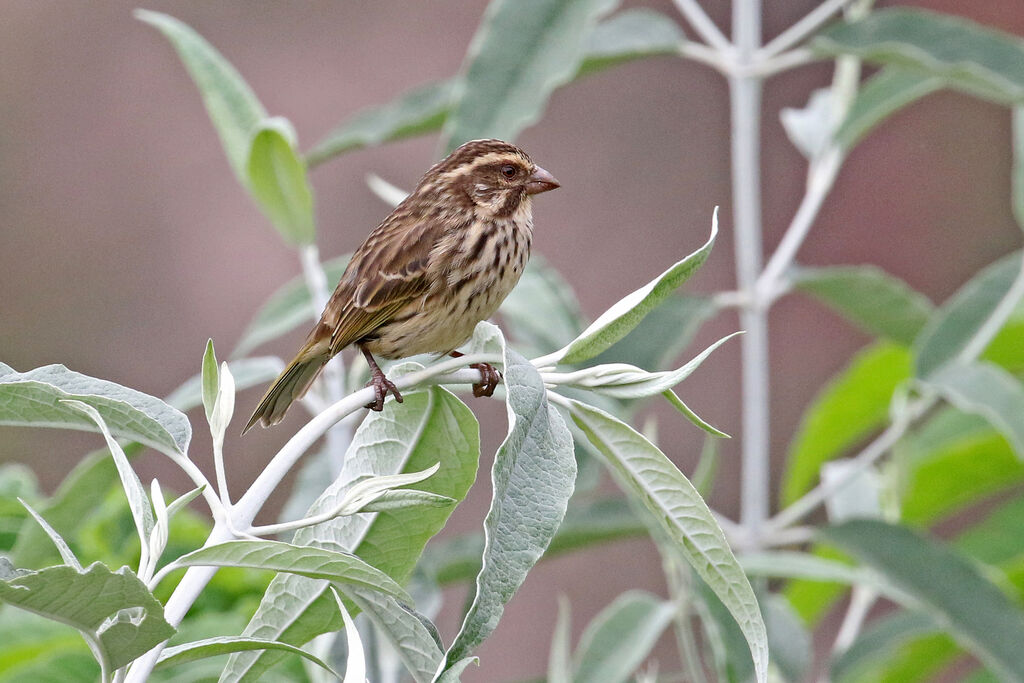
(442, 322)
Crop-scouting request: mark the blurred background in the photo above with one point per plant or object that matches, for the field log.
(126, 241)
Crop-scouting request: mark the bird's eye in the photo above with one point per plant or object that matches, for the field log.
(509, 171)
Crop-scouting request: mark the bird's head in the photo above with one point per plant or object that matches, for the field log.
(495, 176)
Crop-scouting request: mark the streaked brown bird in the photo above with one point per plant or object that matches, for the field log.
(443, 261)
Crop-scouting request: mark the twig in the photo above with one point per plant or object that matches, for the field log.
(703, 25)
(801, 29)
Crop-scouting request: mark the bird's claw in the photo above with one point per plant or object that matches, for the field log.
(381, 386)
(491, 379)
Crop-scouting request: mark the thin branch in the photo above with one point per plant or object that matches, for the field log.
(784, 62)
(872, 452)
(821, 177)
(803, 28)
(699, 52)
(995, 320)
(703, 25)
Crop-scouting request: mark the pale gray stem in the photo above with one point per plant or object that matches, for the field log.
(745, 105)
(803, 28)
(703, 25)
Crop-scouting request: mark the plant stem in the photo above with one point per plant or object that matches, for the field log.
(745, 114)
(703, 25)
(803, 28)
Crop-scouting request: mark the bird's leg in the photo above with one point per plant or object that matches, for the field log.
(491, 377)
(381, 384)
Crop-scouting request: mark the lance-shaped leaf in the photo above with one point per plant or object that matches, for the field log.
(230, 102)
(617, 321)
(37, 399)
(953, 326)
(879, 97)
(620, 637)
(969, 56)
(313, 563)
(113, 610)
(1018, 165)
(420, 110)
(851, 406)
(276, 176)
(412, 635)
(882, 638)
(286, 309)
(533, 476)
(621, 380)
(223, 645)
(523, 50)
(431, 425)
(676, 506)
(980, 616)
(870, 298)
(631, 34)
(987, 390)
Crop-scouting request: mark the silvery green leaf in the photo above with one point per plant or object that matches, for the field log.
(210, 377)
(880, 96)
(92, 599)
(309, 562)
(230, 102)
(276, 175)
(621, 637)
(222, 645)
(532, 480)
(406, 498)
(560, 667)
(523, 50)
(355, 661)
(623, 316)
(247, 372)
(62, 547)
(365, 491)
(142, 513)
(676, 506)
(810, 129)
(37, 399)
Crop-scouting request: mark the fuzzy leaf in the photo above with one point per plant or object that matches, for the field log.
(276, 175)
(620, 637)
(651, 478)
(880, 97)
(222, 645)
(37, 399)
(523, 50)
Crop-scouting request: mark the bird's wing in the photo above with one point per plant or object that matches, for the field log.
(386, 272)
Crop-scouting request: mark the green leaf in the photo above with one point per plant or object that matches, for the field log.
(879, 97)
(956, 322)
(969, 56)
(980, 617)
(870, 298)
(626, 314)
(421, 110)
(37, 398)
(138, 503)
(65, 551)
(662, 335)
(523, 50)
(247, 372)
(951, 461)
(230, 102)
(96, 602)
(999, 538)
(210, 377)
(449, 560)
(431, 425)
(628, 35)
(276, 175)
(286, 309)
(412, 635)
(881, 639)
(355, 657)
(782, 564)
(38, 649)
(311, 562)
(851, 406)
(987, 390)
(222, 645)
(532, 479)
(621, 636)
(651, 478)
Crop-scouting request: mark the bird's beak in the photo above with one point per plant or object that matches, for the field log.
(541, 181)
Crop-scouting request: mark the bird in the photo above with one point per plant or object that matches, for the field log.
(441, 262)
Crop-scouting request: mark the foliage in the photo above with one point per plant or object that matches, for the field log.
(922, 423)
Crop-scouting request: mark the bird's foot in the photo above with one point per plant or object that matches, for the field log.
(381, 386)
(491, 379)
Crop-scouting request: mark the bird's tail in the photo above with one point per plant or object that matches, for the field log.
(290, 385)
